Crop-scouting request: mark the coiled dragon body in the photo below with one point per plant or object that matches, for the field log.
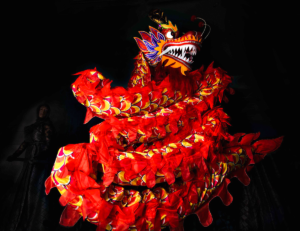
(163, 151)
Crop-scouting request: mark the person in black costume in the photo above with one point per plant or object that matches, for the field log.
(30, 208)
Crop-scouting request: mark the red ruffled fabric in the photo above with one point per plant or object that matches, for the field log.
(186, 139)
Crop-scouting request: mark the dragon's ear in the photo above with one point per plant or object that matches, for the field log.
(145, 36)
(158, 35)
(141, 44)
(154, 31)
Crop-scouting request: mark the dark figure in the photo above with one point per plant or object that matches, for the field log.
(30, 208)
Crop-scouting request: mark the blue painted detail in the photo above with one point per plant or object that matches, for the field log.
(149, 46)
(151, 53)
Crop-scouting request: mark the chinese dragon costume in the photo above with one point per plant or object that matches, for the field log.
(163, 151)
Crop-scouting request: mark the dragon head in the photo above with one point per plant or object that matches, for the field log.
(164, 44)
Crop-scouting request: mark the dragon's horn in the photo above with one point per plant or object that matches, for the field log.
(157, 16)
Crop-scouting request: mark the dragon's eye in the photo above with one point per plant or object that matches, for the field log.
(170, 35)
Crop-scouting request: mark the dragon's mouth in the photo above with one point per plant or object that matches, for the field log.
(182, 53)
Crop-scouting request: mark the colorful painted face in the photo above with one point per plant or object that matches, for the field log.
(165, 45)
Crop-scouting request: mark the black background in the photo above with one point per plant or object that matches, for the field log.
(46, 43)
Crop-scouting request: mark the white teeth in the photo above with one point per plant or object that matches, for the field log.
(180, 52)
